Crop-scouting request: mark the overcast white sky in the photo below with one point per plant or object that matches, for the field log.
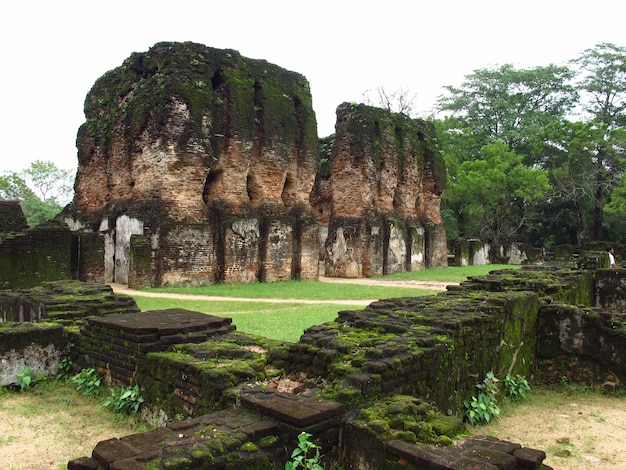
(52, 52)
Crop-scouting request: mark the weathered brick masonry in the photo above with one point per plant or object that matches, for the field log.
(400, 368)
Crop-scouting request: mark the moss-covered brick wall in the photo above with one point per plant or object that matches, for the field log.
(118, 343)
(439, 347)
(193, 379)
(12, 218)
(610, 289)
(67, 302)
(91, 254)
(582, 345)
(401, 367)
(37, 255)
(142, 264)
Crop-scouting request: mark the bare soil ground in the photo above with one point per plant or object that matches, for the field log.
(577, 431)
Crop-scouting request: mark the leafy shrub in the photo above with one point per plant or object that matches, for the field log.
(25, 378)
(517, 387)
(87, 382)
(482, 408)
(125, 400)
(66, 363)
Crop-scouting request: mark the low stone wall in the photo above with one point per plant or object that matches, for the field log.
(39, 346)
(423, 346)
(116, 344)
(35, 256)
(32, 323)
(378, 364)
(18, 308)
(12, 217)
(68, 301)
(582, 345)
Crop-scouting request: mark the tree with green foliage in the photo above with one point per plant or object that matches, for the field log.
(529, 109)
(43, 189)
(579, 181)
(511, 105)
(603, 84)
(495, 193)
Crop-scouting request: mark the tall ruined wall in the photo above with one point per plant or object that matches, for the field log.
(185, 135)
(381, 195)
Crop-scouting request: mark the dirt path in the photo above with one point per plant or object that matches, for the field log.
(122, 289)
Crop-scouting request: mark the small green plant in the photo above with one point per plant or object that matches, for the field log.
(66, 364)
(306, 455)
(87, 382)
(125, 400)
(482, 408)
(517, 387)
(25, 378)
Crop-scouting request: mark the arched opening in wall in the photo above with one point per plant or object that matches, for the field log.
(385, 239)
(210, 193)
(428, 245)
(218, 79)
(288, 195)
(253, 189)
(296, 251)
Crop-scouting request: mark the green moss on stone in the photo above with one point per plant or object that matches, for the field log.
(249, 447)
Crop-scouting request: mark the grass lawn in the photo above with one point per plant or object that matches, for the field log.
(286, 321)
(281, 320)
(450, 273)
(286, 290)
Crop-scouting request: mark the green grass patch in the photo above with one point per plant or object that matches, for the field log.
(286, 321)
(448, 274)
(281, 320)
(286, 290)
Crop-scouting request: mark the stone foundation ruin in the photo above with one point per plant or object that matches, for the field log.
(393, 375)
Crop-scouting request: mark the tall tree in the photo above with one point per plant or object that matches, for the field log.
(511, 105)
(570, 158)
(603, 83)
(496, 193)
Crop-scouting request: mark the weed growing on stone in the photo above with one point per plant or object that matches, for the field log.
(306, 455)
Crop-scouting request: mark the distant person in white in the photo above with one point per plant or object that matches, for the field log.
(609, 250)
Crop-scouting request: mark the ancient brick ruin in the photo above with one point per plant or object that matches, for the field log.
(378, 196)
(381, 387)
(197, 165)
